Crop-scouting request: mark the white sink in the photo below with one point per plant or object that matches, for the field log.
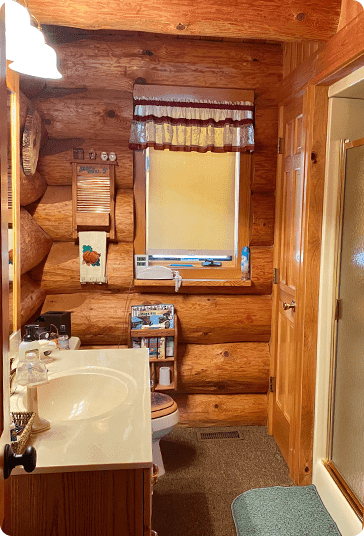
(98, 404)
(85, 393)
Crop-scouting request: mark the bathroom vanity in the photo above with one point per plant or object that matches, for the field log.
(93, 474)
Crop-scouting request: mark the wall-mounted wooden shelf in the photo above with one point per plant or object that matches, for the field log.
(155, 363)
(150, 333)
(193, 283)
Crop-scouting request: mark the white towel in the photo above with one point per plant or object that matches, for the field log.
(92, 257)
(11, 252)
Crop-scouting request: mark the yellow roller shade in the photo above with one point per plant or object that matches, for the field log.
(192, 203)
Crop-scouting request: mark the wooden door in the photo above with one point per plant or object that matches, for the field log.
(287, 262)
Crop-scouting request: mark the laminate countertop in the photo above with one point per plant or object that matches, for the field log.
(99, 406)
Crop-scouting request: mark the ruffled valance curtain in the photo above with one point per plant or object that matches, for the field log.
(192, 125)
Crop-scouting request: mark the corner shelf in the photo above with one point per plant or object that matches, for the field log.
(154, 362)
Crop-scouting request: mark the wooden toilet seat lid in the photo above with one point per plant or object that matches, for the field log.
(162, 405)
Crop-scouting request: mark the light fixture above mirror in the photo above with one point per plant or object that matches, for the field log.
(26, 48)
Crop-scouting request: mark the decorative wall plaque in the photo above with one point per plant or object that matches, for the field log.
(31, 142)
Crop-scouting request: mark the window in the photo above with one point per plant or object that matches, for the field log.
(181, 220)
(192, 208)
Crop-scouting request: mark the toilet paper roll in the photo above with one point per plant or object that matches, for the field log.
(164, 376)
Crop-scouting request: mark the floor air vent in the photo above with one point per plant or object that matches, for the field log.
(232, 434)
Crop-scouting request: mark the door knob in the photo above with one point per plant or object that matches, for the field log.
(28, 460)
(291, 305)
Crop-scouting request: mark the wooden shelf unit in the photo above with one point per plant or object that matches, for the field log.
(155, 363)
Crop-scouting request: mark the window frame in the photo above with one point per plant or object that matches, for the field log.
(230, 270)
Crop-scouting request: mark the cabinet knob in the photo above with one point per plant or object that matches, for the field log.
(28, 460)
(291, 305)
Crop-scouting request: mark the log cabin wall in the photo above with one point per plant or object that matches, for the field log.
(223, 355)
(31, 187)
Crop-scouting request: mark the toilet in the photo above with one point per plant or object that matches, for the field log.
(164, 419)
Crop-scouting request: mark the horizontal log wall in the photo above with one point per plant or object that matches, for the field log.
(32, 187)
(215, 410)
(54, 214)
(100, 319)
(224, 332)
(60, 272)
(34, 242)
(32, 297)
(206, 319)
(223, 368)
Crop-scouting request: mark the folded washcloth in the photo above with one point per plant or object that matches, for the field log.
(92, 257)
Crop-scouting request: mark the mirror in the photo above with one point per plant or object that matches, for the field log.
(13, 212)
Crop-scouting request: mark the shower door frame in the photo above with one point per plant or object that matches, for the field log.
(345, 489)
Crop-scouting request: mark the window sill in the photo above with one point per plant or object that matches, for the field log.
(188, 283)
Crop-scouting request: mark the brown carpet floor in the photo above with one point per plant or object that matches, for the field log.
(203, 478)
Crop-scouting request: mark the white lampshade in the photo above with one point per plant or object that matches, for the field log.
(17, 23)
(24, 44)
(16, 15)
(42, 63)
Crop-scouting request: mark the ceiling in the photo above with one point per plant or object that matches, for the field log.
(277, 20)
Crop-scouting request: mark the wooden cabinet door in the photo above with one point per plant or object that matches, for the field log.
(287, 261)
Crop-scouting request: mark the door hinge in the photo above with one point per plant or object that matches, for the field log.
(338, 308)
(272, 384)
(275, 276)
(280, 146)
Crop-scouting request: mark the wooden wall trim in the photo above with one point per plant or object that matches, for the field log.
(340, 56)
(276, 257)
(315, 112)
(210, 93)
(139, 203)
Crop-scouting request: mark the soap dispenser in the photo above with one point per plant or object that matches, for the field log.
(26, 343)
(32, 342)
(63, 339)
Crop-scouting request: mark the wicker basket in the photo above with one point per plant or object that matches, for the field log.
(23, 419)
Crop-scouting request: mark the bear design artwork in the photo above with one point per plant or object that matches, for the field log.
(91, 257)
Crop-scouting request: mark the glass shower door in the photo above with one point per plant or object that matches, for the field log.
(347, 453)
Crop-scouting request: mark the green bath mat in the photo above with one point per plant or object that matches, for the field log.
(278, 511)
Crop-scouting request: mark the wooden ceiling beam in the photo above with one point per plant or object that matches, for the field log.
(263, 19)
